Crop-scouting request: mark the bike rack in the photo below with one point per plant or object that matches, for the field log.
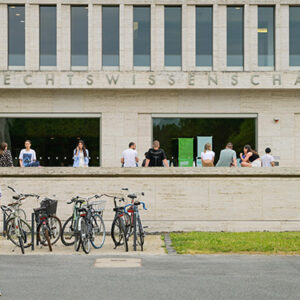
(134, 227)
(32, 231)
(4, 224)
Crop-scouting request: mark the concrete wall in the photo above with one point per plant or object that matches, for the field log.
(177, 199)
(127, 115)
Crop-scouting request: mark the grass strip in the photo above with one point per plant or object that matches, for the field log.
(236, 242)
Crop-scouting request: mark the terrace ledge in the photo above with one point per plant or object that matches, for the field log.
(148, 172)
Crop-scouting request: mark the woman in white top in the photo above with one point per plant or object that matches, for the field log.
(81, 155)
(208, 156)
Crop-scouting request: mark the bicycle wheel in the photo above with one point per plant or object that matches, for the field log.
(119, 233)
(98, 231)
(25, 230)
(84, 236)
(77, 235)
(47, 237)
(21, 212)
(55, 230)
(68, 234)
(140, 234)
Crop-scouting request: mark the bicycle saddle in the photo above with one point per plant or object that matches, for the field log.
(16, 197)
(132, 196)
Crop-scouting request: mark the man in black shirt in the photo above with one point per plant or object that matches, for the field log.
(156, 157)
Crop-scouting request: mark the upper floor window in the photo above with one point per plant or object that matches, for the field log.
(110, 36)
(172, 36)
(141, 36)
(79, 36)
(204, 29)
(235, 36)
(16, 35)
(295, 36)
(47, 35)
(265, 33)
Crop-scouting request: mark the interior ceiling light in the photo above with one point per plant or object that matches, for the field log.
(22, 21)
(18, 15)
(12, 7)
(262, 30)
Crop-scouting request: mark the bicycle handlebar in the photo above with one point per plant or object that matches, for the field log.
(136, 203)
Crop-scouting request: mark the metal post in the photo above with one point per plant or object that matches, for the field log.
(32, 231)
(4, 224)
(134, 227)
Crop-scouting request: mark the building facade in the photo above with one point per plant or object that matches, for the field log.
(112, 72)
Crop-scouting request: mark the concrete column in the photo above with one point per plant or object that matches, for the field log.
(32, 41)
(219, 38)
(250, 37)
(4, 37)
(95, 37)
(157, 37)
(126, 37)
(63, 37)
(282, 37)
(188, 37)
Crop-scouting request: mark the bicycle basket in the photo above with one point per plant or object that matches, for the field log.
(98, 205)
(50, 206)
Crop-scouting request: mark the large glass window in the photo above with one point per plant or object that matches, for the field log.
(53, 139)
(239, 131)
(294, 35)
(110, 36)
(141, 35)
(48, 35)
(172, 36)
(79, 35)
(235, 36)
(265, 33)
(16, 35)
(204, 29)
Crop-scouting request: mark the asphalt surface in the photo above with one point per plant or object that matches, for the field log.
(159, 277)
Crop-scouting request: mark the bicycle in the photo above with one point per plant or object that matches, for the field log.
(68, 232)
(17, 229)
(48, 224)
(86, 224)
(135, 221)
(120, 224)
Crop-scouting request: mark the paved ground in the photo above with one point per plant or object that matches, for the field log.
(153, 246)
(159, 277)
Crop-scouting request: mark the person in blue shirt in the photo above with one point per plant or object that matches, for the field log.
(81, 155)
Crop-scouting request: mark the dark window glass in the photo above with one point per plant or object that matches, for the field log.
(79, 35)
(110, 36)
(16, 35)
(239, 131)
(265, 33)
(48, 35)
(53, 139)
(172, 36)
(235, 36)
(141, 36)
(294, 35)
(204, 28)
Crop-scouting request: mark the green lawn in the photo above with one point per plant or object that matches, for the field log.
(236, 242)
